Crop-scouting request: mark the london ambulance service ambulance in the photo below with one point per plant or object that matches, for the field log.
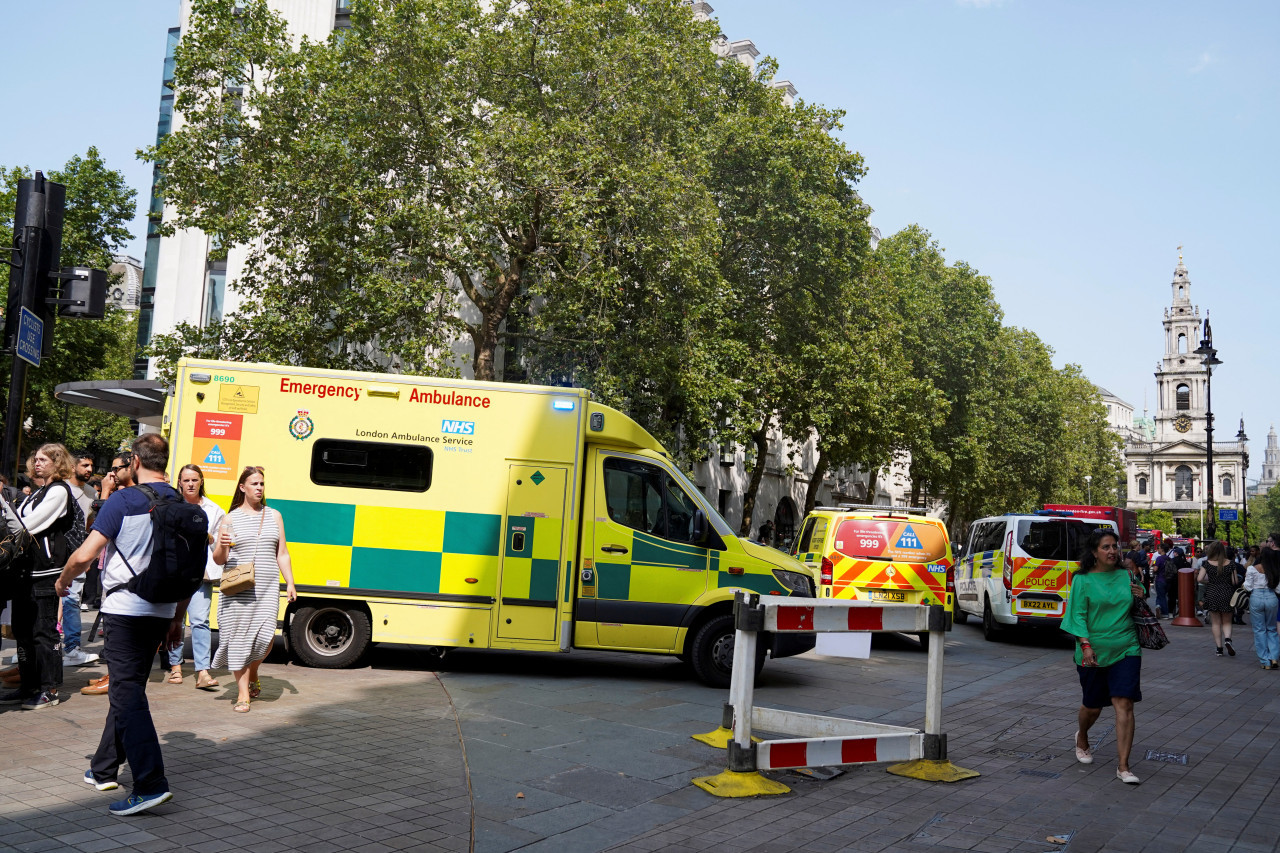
(474, 515)
(1017, 569)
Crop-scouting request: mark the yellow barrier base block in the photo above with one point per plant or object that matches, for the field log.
(731, 783)
(930, 770)
(720, 738)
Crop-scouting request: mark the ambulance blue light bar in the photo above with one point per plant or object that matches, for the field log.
(562, 405)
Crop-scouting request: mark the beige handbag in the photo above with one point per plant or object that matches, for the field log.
(241, 577)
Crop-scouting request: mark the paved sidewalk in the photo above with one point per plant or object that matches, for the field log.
(590, 752)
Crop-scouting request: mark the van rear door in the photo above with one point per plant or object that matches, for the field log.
(1045, 551)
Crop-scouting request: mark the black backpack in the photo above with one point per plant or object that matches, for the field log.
(179, 551)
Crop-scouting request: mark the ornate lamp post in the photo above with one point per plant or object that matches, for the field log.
(1209, 357)
(1243, 441)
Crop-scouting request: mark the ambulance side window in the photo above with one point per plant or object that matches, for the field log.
(801, 545)
(646, 498)
(371, 465)
(632, 495)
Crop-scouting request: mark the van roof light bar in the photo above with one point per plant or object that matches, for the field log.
(1060, 513)
(922, 510)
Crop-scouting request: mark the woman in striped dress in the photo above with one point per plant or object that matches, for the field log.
(252, 532)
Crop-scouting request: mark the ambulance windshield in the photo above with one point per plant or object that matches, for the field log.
(718, 524)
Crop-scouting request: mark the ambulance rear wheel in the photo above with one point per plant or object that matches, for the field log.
(329, 636)
(712, 652)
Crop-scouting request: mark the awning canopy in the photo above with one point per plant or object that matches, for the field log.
(139, 399)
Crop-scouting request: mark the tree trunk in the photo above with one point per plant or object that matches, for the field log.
(815, 482)
(915, 492)
(761, 440)
(872, 476)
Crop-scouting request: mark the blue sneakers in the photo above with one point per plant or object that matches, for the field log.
(136, 803)
(109, 785)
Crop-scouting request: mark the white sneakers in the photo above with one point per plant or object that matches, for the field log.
(1126, 777)
(1084, 756)
(78, 657)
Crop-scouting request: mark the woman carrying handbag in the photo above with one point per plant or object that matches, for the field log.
(251, 544)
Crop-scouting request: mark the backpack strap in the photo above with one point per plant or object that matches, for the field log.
(152, 495)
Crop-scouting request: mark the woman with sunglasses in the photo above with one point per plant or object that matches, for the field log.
(252, 532)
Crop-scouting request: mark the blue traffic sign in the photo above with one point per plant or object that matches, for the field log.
(1228, 515)
(30, 337)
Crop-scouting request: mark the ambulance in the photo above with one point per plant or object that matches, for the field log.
(469, 515)
(1017, 569)
(878, 553)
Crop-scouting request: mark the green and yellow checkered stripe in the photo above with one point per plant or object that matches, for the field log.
(417, 550)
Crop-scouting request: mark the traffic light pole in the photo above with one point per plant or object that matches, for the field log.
(30, 260)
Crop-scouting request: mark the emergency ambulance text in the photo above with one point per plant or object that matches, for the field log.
(316, 389)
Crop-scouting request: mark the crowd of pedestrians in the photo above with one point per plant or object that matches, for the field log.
(75, 526)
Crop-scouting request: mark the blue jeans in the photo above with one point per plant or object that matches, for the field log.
(71, 626)
(129, 733)
(201, 641)
(1162, 596)
(1263, 605)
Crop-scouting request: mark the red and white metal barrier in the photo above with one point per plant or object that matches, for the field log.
(826, 741)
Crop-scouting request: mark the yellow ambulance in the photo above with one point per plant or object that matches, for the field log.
(879, 553)
(472, 515)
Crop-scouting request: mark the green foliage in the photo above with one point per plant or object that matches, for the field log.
(1156, 519)
(99, 205)
(1264, 515)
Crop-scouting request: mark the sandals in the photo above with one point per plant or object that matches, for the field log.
(241, 707)
(255, 689)
(174, 677)
(204, 681)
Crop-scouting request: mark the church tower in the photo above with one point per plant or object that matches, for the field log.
(1180, 377)
(1270, 463)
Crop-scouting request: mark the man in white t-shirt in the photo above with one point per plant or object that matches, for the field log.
(134, 628)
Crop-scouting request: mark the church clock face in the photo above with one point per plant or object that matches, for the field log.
(1182, 423)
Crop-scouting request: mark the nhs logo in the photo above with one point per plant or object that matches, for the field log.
(458, 427)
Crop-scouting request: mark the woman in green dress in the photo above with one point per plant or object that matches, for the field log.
(1108, 657)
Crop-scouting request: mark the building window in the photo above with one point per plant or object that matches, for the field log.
(1184, 397)
(722, 502)
(1142, 485)
(1182, 343)
(1226, 487)
(1182, 484)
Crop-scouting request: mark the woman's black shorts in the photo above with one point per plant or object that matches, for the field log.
(1101, 683)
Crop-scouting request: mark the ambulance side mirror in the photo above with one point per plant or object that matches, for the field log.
(699, 527)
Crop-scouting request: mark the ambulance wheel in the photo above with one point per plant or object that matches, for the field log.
(329, 636)
(712, 652)
(990, 627)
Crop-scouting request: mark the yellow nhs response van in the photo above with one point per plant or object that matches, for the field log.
(473, 515)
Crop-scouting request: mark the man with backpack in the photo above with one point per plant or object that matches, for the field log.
(134, 628)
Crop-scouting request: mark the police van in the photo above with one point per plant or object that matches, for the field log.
(878, 553)
(469, 515)
(1016, 569)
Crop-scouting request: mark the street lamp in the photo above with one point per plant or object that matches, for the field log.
(1209, 357)
(1243, 441)
(1088, 484)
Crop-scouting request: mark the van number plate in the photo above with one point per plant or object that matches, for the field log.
(888, 596)
(1038, 605)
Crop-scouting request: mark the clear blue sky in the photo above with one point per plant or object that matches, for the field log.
(1063, 149)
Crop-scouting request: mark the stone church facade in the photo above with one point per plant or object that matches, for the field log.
(1166, 463)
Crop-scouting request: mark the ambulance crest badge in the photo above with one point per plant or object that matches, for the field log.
(302, 426)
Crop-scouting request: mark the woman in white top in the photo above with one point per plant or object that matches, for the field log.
(191, 487)
(1263, 605)
(251, 533)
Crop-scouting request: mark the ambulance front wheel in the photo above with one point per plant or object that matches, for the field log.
(712, 652)
(329, 636)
